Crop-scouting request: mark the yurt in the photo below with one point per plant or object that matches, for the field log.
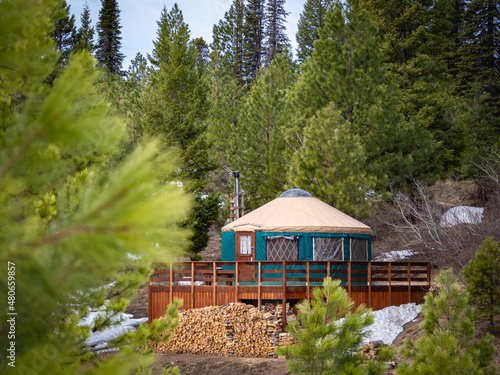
(296, 226)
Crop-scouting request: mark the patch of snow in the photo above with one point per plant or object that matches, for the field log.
(189, 282)
(136, 257)
(389, 322)
(393, 256)
(122, 323)
(462, 215)
(93, 290)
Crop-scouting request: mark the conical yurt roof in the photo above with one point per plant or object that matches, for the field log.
(297, 211)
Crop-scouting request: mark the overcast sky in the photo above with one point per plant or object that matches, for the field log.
(139, 17)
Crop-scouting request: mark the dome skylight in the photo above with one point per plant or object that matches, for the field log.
(294, 193)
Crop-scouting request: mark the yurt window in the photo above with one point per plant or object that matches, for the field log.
(245, 244)
(282, 248)
(328, 248)
(359, 249)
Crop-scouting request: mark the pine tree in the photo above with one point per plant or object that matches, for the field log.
(253, 38)
(275, 39)
(348, 51)
(109, 40)
(482, 125)
(202, 52)
(258, 142)
(311, 19)
(64, 34)
(482, 275)
(67, 230)
(331, 164)
(169, 23)
(420, 44)
(204, 214)
(327, 334)
(225, 98)
(479, 63)
(346, 70)
(228, 41)
(448, 346)
(177, 97)
(479, 48)
(175, 106)
(135, 84)
(85, 34)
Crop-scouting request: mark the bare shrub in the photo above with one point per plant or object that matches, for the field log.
(419, 223)
(487, 171)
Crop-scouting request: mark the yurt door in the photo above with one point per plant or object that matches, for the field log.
(245, 246)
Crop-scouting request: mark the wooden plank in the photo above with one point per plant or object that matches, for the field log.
(171, 283)
(192, 285)
(308, 297)
(214, 283)
(390, 286)
(349, 277)
(370, 284)
(409, 282)
(429, 274)
(259, 297)
(150, 305)
(237, 281)
(283, 312)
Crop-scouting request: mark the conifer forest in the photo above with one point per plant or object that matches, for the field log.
(105, 169)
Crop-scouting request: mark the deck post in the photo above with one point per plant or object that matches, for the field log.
(150, 305)
(214, 282)
(370, 284)
(409, 281)
(349, 278)
(389, 276)
(428, 274)
(171, 296)
(328, 269)
(307, 282)
(192, 285)
(237, 281)
(259, 291)
(283, 310)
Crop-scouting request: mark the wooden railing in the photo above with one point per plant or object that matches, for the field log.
(200, 284)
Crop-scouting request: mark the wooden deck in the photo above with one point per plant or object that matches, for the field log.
(375, 284)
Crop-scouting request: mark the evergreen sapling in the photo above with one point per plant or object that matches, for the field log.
(324, 344)
(448, 346)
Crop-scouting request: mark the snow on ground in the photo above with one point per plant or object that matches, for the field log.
(123, 323)
(462, 215)
(389, 322)
(393, 256)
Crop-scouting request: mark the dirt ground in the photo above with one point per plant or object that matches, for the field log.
(190, 364)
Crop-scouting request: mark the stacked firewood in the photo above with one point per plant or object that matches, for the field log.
(371, 351)
(236, 329)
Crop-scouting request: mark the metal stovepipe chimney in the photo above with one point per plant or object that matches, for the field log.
(236, 175)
